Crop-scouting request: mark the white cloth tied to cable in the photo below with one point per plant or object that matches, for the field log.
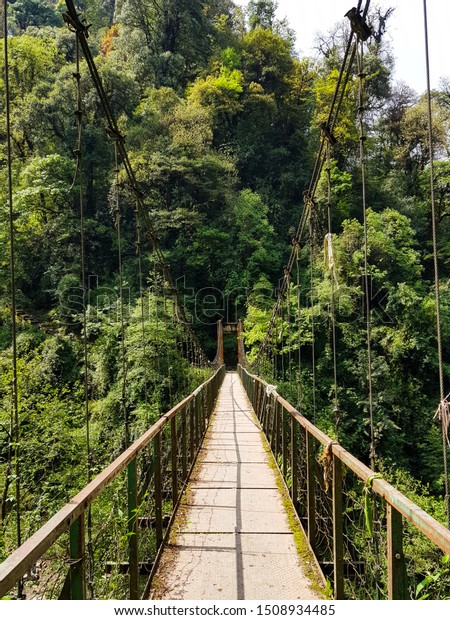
(271, 389)
(443, 414)
(329, 256)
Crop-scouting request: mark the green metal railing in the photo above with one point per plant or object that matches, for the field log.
(369, 539)
(143, 487)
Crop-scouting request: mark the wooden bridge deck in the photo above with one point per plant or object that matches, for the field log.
(231, 538)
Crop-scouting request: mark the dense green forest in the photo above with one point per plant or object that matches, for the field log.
(222, 122)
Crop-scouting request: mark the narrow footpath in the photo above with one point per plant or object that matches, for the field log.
(231, 538)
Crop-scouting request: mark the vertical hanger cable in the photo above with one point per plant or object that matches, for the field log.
(12, 256)
(443, 401)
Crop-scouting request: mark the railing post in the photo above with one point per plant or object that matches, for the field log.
(199, 418)
(338, 538)
(271, 421)
(397, 588)
(192, 430)
(273, 426)
(284, 442)
(174, 459)
(277, 428)
(184, 442)
(210, 400)
(311, 488)
(77, 560)
(195, 417)
(265, 412)
(206, 407)
(294, 462)
(255, 399)
(158, 491)
(203, 410)
(262, 398)
(133, 557)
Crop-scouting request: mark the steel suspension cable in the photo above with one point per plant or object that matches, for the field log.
(275, 356)
(176, 361)
(123, 403)
(154, 318)
(271, 358)
(299, 328)
(350, 64)
(288, 318)
(157, 342)
(167, 323)
(283, 364)
(12, 267)
(436, 273)
(313, 328)
(333, 113)
(142, 316)
(332, 293)
(338, 96)
(362, 139)
(180, 345)
(79, 163)
(183, 356)
(72, 18)
(189, 349)
(79, 177)
(268, 367)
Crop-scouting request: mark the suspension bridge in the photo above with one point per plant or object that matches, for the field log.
(233, 493)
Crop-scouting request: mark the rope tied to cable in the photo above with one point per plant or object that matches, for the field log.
(443, 415)
(368, 506)
(326, 460)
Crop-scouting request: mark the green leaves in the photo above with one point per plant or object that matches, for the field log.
(36, 13)
(434, 586)
(32, 61)
(220, 93)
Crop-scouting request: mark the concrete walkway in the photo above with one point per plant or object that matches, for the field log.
(232, 539)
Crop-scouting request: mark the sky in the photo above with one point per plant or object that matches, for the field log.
(405, 33)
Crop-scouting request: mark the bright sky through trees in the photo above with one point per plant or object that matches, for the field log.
(405, 32)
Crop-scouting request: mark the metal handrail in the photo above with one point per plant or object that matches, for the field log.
(399, 505)
(18, 563)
